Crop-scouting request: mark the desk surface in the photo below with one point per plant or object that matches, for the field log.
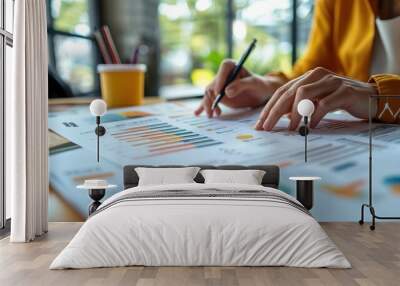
(59, 104)
(59, 209)
(338, 147)
(87, 100)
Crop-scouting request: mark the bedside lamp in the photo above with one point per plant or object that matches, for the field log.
(98, 108)
(305, 185)
(305, 108)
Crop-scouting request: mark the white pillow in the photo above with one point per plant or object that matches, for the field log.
(248, 177)
(165, 176)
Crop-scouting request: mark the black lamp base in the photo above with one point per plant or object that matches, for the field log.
(96, 195)
(100, 130)
(305, 193)
(303, 130)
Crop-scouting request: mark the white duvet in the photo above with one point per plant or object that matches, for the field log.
(200, 231)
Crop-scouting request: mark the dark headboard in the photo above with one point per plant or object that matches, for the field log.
(271, 177)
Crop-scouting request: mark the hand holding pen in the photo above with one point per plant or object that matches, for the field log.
(246, 89)
(234, 73)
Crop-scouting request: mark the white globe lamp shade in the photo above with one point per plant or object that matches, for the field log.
(98, 107)
(305, 107)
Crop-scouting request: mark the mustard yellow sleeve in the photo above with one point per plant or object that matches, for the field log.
(388, 85)
(319, 51)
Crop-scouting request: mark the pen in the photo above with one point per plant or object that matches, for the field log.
(234, 73)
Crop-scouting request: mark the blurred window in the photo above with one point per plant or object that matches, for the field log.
(72, 53)
(71, 16)
(304, 20)
(193, 40)
(197, 34)
(270, 23)
(75, 62)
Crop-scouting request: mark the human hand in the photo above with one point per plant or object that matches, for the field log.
(247, 90)
(326, 89)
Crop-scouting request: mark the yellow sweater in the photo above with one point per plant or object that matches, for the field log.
(341, 40)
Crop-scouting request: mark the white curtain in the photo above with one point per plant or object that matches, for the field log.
(26, 123)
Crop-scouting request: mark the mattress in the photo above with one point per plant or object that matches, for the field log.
(201, 225)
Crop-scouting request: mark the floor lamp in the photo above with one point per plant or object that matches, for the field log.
(370, 205)
(304, 185)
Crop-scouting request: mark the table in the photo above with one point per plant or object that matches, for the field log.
(96, 194)
(60, 210)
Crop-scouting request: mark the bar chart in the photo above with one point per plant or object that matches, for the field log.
(159, 138)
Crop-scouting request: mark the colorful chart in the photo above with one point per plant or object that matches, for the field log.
(162, 138)
(217, 126)
(111, 117)
(244, 137)
(351, 190)
(393, 182)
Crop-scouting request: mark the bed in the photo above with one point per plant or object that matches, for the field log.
(197, 224)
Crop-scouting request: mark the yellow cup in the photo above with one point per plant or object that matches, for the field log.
(122, 85)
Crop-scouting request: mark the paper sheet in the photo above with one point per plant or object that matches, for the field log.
(169, 134)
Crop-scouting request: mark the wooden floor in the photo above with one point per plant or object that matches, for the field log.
(375, 257)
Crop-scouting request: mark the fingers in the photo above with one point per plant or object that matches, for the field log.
(264, 113)
(336, 100)
(208, 101)
(217, 111)
(214, 88)
(326, 85)
(261, 122)
(199, 109)
(202, 105)
(236, 87)
(240, 87)
(224, 70)
(243, 85)
(284, 103)
(205, 104)
(280, 108)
